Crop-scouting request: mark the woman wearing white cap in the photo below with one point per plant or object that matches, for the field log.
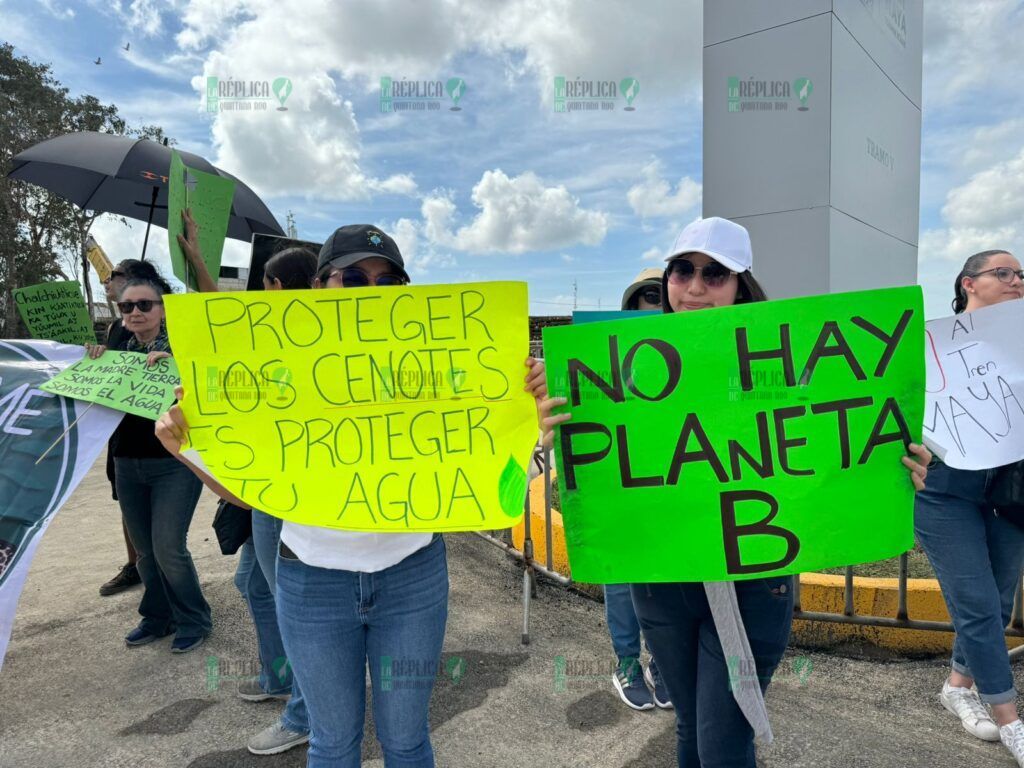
(694, 628)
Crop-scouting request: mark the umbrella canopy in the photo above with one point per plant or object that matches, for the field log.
(128, 176)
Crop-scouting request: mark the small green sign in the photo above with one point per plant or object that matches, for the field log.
(741, 442)
(120, 380)
(208, 197)
(56, 311)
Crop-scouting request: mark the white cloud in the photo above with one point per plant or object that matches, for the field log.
(653, 254)
(654, 197)
(986, 212)
(143, 16)
(419, 256)
(991, 198)
(960, 40)
(516, 214)
(315, 148)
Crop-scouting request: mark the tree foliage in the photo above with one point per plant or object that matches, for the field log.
(41, 234)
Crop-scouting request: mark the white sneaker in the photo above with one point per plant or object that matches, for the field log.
(1012, 736)
(974, 717)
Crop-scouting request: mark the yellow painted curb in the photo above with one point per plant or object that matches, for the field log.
(819, 593)
(560, 561)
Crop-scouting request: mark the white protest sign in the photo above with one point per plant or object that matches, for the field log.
(974, 409)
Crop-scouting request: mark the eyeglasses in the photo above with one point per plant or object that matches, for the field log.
(353, 277)
(144, 305)
(713, 274)
(113, 276)
(1003, 274)
(651, 295)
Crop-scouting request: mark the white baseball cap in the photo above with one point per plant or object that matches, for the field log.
(724, 241)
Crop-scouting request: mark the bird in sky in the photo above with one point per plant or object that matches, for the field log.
(98, 60)
(127, 46)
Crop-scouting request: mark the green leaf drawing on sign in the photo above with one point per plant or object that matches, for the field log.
(512, 488)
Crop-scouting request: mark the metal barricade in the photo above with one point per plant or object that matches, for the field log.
(531, 567)
(902, 620)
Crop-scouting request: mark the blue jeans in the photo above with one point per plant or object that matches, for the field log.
(158, 498)
(977, 558)
(256, 579)
(334, 622)
(711, 731)
(622, 622)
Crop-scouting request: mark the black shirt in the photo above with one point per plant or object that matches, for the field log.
(135, 437)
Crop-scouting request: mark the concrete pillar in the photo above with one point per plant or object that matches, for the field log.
(812, 138)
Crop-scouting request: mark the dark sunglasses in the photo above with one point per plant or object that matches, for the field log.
(353, 277)
(651, 295)
(713, 274)
(1003, 274)
(114, 275)
(144, 305)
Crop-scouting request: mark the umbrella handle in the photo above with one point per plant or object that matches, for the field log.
(149, 222)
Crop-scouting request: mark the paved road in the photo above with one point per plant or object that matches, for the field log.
(74, 695)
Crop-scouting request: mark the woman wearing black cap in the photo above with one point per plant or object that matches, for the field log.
(717, 644)
(348, 599)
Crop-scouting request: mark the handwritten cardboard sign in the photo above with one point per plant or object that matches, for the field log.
(974, 414)
(56, 312)
(120, 380)
(762, 439)
(373, 409)
(208, 197)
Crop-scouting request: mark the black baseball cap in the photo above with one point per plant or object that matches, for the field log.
(355, 242)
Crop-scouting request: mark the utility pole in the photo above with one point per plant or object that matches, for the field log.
(575, 294)
(293, 233)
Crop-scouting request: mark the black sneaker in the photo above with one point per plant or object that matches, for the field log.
(653, 678)
(629, 684)
(127, 577)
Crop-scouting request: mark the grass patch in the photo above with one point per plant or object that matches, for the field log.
(917, 566)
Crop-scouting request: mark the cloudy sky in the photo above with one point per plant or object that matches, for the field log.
(505, 187)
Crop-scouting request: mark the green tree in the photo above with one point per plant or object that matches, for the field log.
(41, 232)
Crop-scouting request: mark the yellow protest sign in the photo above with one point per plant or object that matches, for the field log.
(369, 409)
(98, 258)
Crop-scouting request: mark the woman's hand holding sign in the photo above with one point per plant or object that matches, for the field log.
(918, 465)
(172, 427)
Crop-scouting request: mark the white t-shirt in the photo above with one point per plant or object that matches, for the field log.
(350, 550)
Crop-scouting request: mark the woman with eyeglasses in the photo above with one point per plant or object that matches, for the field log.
(157, 494)
(976, 554)
(709, 267)
(644, 293)
(128, 269)
(348, 600)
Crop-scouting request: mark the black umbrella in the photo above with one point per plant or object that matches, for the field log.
(128, 176)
